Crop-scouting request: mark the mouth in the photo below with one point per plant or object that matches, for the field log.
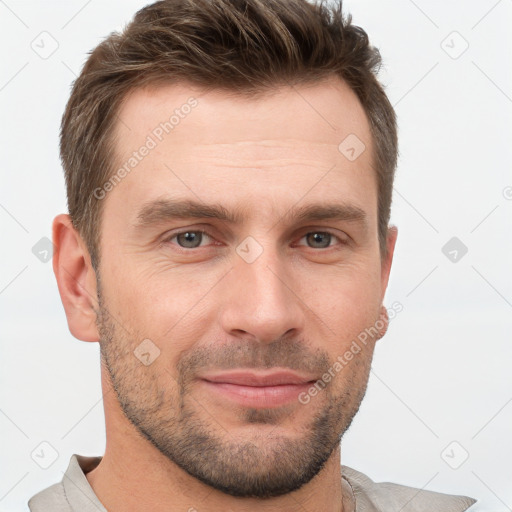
(258, 389)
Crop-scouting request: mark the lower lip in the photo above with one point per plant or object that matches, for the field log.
(259, 396)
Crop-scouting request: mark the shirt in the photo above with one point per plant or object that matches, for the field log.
(74, 494)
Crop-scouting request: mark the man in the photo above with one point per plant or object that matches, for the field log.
(229, 167)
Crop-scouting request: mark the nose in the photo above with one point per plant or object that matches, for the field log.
(260, 301)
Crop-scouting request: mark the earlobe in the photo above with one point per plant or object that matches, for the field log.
(76, 279)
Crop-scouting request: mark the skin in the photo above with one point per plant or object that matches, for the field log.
(299, 305)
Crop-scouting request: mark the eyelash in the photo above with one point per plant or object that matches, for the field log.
(203, 232)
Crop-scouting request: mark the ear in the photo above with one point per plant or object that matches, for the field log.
(385, 271)
(76, 279)
(388, 260)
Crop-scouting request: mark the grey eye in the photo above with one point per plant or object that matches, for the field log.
(319, 239)
(189, 239)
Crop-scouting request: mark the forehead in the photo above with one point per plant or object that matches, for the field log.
(323, 112)
(185, 142)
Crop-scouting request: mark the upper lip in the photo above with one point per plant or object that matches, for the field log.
(247, 378)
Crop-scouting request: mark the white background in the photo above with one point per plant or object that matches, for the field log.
(441, 374)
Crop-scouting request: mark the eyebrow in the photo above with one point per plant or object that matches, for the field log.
(163, 210)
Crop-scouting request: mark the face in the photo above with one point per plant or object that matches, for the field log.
(243, 241)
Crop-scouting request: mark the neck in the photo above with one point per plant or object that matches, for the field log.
(133, 473)
(123, 482)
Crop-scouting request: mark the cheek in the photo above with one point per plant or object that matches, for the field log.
(170, 307)
(346, 298)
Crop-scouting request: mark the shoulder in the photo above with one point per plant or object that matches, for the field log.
(386, 496)
(52, 498)
(73, 492)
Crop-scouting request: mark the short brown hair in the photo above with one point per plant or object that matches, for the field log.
(243, 46)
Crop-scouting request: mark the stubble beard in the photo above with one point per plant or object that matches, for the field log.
(263, 465)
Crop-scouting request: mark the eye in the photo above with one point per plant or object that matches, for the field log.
(321, 239)
(188, 239)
